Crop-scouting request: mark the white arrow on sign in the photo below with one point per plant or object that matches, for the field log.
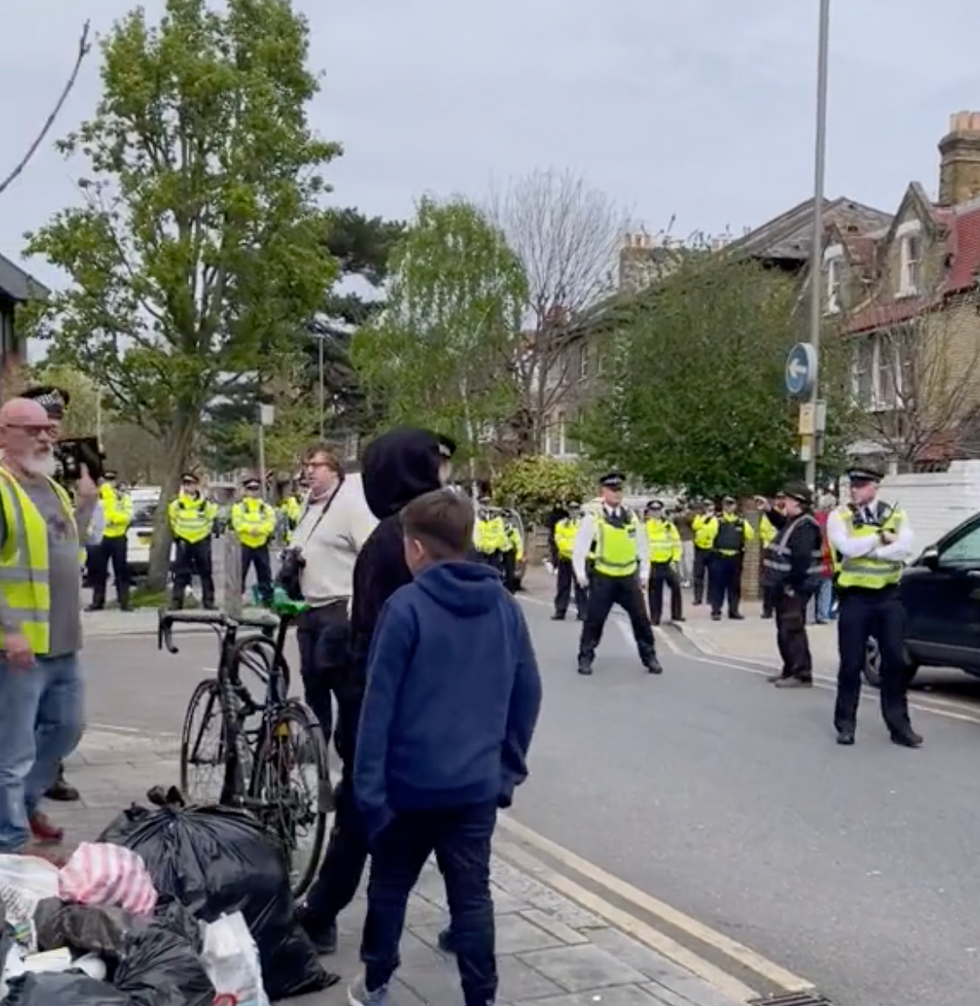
(795, 369)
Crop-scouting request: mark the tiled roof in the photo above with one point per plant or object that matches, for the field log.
(19, 285)
(962, 241)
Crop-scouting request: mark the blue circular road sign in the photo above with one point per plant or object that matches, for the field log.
(801, 370)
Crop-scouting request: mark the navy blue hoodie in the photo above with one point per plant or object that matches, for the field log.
(453, 694)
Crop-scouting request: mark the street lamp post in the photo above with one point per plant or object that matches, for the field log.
(320, 388)
(816, 253)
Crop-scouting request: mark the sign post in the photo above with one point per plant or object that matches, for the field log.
(800, 380)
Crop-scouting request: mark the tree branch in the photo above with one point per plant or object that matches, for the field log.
(84, 46)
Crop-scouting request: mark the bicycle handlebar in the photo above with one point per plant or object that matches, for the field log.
(212, 619)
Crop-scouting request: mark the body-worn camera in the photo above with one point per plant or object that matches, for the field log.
(72, 454)
(291, 568)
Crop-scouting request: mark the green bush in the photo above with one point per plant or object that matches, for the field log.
(533, 485)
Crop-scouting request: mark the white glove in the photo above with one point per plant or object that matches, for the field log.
(549, 567)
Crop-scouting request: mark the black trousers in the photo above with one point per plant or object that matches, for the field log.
(259, 558)
(110, 552)
(604, 592)
(724, 582)
(770, 595)
(508, 569)
(862, 614)
(460, 838)
(664, 574)
(565, 585)
(323, 636)
(702, 561)
(791, 637)
(193, 558)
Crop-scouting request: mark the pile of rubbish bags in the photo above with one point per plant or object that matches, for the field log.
(170, 907)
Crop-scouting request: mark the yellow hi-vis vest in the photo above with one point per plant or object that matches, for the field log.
(864, 571)
(565, 533)
(253, 521)
(118, 510)
(767, 531)
(191, 519)
(485, 537)
(665, 541)
(616, 551)
(703, 529)
(24, 562)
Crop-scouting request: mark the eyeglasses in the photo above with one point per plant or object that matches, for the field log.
(34, 429)
(317, 464)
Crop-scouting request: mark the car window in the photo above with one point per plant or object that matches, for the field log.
(964, 551)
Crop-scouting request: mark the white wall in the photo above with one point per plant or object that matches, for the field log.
(935, 501)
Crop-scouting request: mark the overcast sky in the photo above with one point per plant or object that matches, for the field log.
(700, 108)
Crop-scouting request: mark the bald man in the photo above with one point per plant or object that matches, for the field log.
(40, 620)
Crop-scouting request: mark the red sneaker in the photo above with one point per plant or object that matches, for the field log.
(44, 830)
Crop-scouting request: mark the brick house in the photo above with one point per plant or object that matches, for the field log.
(16, 287)
(905, 295)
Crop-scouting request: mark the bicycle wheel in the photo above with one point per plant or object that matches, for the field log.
(295, 810)
(202, 746)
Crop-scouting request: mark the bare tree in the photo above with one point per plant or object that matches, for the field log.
(567, 235)
(84, 47)
(916, 381)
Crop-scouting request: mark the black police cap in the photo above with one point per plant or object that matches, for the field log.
(190, 477)
(613, 480)
(864, 473)
(798, 491)
(53, 400)
(728, 499)
(252, 484)
(111, 474)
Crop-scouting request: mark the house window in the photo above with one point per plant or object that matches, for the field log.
(835, 270)
(862, 371)
(878, 372)
(886, 367)
(583, 361)
(911, 264)
(560, 434)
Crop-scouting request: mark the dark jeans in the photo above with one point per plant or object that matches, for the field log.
(791, 637)
(460, 838)
(323, 638)
(861, 615)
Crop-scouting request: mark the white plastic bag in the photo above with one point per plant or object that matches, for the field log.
(231, 960)
(24, 881)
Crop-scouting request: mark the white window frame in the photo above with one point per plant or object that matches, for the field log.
(583, 361)
(910, 269)
(835, 270)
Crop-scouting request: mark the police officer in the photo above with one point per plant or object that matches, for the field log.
(113, 550)
(791, 575)
(254, 522)
(665, 558)
(703, 532)
(562, 547)
(192, 518)
(872, 540)
(768, 529)
(730, 533)
(620, 573)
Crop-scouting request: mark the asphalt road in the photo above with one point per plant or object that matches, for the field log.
(726, 799)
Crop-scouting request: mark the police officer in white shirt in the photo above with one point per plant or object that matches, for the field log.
(872, 541)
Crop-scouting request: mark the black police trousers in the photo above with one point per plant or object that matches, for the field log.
(791, 637)
(604, 592)
(190, 558)
(725, 581)
(259, 558)
(863, 614)
(114, 553)
(565, 584)
(664, 574)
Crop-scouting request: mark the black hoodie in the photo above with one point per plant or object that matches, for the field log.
(398, 467)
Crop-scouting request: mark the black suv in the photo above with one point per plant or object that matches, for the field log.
(941, 595)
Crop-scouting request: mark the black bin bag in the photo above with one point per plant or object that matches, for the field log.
(216, 861)
(160, 968)
(70, 988)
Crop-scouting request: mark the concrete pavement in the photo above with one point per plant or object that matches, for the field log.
(560, 943)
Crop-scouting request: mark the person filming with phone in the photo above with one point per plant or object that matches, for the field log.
(40, 619)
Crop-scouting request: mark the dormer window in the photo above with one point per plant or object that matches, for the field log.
(910, 259)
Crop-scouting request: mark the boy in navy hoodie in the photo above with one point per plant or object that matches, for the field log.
(453, 694)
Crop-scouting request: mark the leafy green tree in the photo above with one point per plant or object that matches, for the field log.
(534, 484)
(198, 253)
(442, 352)
(693, 395)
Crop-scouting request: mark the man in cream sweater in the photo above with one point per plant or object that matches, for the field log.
(334, 524)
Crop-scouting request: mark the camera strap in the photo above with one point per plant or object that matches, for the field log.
(323, 510)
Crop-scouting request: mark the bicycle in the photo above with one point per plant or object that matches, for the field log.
(253, 737)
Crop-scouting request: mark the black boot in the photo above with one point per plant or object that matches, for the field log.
(584, 665)
(60, 790)
(124, 604)
(98, 601)
(177, 600)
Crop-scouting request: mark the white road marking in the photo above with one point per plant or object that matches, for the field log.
(745, 956)
(629, 924)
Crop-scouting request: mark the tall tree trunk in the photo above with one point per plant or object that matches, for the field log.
(179, 445)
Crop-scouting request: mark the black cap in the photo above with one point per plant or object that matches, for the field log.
(613, 480)
(728, 499)
(655, 504)
(54, 400)
(190, 477)
(252, 483)
(111, 474)
(798, 491)
(864, 473)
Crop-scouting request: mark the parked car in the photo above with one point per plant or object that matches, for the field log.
(140, 534)
(940, 592)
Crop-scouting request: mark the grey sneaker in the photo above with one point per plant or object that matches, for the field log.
(358, 995)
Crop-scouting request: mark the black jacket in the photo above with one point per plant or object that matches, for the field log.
(397, 467)
(805, 545)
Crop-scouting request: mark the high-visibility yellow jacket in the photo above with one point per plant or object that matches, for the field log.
(254, 521)
(703, 529)
(767, 531)
(24, 560)
(665, 541)
(191, 517)
(491, 536)
(117, 509)
(616, 552)
(515, 540)
(863, 571)
(566, 531)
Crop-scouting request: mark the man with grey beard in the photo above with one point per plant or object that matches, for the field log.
(40, 619)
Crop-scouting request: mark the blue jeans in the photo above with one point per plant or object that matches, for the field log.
(460, 838)
(40, 723)
(823, 601)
